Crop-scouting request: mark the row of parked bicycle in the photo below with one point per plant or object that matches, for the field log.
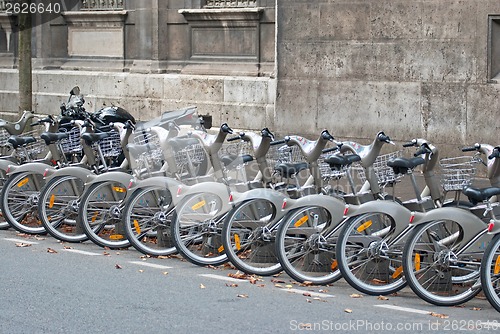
(317, 209)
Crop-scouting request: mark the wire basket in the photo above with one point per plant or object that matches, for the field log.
(457, 173)
(110, 146)
(4, 137)
(384, 173)
(72, 144)
(283, 154)
(191, 154)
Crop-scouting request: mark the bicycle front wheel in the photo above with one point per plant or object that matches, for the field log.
(248, 237)
(100, 214)
(435, 270)
(368, 258)
(196, 229)
(490, 272)
(146, 220)
(58, 208)
(305, 245)
(19, 202)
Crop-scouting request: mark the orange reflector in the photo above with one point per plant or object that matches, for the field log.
(334, 265)
(137, 227)
(23, 182)
(230, 198)
(119, 189)
(94, 217)
(237, 242)
(364, 226)
(221, 249)
(397, 272)
(130, 184)
(301, 221)
(198, 205)
(346, 210)
(45, 172)
(51, 201)
(116, 237)
(412, 217)
(496, 270)
(417, 261)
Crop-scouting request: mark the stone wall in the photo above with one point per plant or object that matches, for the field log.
(411, 68)
(242, 102)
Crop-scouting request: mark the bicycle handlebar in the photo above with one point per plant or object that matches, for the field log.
(237, 137)
(330, 149)
(469, 149)
(278, 142)
(495, 153)
(409, 144)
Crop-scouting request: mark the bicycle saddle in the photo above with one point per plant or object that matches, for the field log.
(289, 169)
(338, 161)
(94, 137)
(50, 137)
(402, 165)
(16, 141)
(229, 159)
(476, 195)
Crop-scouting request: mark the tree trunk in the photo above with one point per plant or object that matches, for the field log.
(24, 65)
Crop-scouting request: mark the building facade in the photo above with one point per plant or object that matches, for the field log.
(425, 68)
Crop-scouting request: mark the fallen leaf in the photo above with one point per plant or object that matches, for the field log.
(202, 286)
(288, 286)
(141, 271)
(106, 254)
(306, 283)
(117, 253)
(242, 296)
(68, 247)
(117, 266)
(382, 298)
(308, 300)
(356, 295)
(165, 273)
(439, 315)
(476, 309)
(252, 280)
(278, 285)
(39, 238)
(348, 310)
(261, 285)
(22, 244)
(233, 285)
(277, 281)
(307, 294)
(322, 290)
(50, 250)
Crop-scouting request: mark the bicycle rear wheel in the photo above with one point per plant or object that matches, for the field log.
(58, 208)
(3, 223)
(196, 229)
(490, 272)
(434, 269)
(305, 245)
(146, 220)
(248, 237)
(19, 202)
(369, 260)
(100, 214)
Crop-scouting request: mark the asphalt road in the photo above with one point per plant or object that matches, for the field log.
(50, 287)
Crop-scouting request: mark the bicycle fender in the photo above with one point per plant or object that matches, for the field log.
(333, 205)
(117, 177)
(77, 172)
(274, 197)
(471, 224)
(217, 188)
(36, 167)
(398, 212)
(4, 164)
(155, 181)
(271, 195)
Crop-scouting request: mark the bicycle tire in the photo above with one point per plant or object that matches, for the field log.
(58, 208)
(19, 202)
(436, 275)
(305, 251)
(100, 214)
(367, 258)
(248, 240)
(3, 223)
(490, 272)
(196, 229)
(146, 220)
